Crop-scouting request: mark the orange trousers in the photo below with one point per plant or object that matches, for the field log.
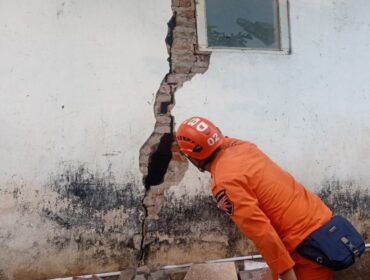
(306, 269)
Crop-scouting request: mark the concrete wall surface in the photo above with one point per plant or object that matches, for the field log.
(76, 105)
(80, 80)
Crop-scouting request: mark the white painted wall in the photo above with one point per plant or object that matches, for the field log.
(310, 111)
(101, 60)
(78, 79)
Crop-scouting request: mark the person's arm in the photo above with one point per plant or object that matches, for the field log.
(254, 224)
(289, 275)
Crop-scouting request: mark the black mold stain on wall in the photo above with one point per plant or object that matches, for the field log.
(88, 195)
(187, 220)
(94, 192)
(343, 198)
(2, 275)
(83, 199)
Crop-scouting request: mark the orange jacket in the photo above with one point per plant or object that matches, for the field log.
(265, 202)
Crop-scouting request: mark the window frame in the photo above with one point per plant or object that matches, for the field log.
(283, 23)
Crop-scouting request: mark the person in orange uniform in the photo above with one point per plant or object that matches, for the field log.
(266, 203)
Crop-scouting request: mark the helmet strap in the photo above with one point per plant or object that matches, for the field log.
(203, 163)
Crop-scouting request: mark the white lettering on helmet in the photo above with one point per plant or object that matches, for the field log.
(202, 126)
(212, 140)
(193, 121)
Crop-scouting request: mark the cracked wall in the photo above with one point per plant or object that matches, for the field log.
(263, 110)
(185, 61)
(76, 107)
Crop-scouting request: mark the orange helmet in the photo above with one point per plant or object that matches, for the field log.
(198, 138)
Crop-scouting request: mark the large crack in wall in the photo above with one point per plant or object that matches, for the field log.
(160, 162)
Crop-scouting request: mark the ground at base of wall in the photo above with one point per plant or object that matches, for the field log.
(359, 271)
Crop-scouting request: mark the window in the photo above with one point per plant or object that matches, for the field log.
(260, 25)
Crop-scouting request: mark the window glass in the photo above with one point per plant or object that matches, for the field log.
(243, 24)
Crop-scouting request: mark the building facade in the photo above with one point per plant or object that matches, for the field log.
(92, 91)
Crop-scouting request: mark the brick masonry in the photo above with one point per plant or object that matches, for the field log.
(185, 61)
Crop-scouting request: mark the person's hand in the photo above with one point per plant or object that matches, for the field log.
(289, 275)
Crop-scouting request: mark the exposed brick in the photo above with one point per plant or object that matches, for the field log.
(164, 89)
(183, 57)
(159, 128)
(182, 3)
(184, 35)
(185, 62)
(163, 97)
(182, 69)
(184, 29)
(184, 22)
(176, 62)
(183, 32)
(164, 119)
(178, 78)
(199, 70)
(183, 46)
(182, 51)
(181, 43)
(186, 13)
